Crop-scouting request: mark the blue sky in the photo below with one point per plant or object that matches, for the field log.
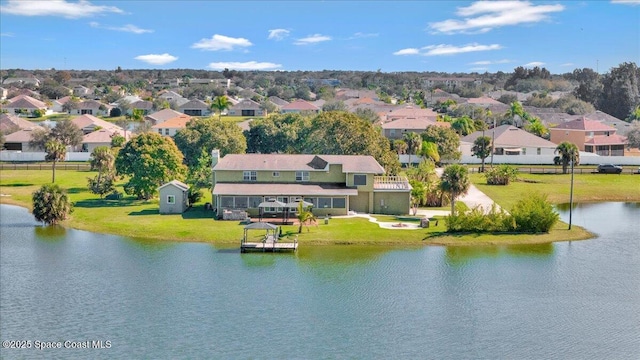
(447, 36)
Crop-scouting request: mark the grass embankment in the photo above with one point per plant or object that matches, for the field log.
(136, 218)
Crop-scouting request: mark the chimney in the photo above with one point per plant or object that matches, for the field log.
(215, 157)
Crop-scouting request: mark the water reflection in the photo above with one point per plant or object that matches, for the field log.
(458, 255)
(50, 232)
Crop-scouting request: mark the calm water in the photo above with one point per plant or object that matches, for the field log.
(578, 300)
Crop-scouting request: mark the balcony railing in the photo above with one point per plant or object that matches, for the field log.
(390, 183)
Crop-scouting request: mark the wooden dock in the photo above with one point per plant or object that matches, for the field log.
(271, 247)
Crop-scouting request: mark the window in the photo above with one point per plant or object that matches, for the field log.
(241, 202)
(392, 132)
(254, 201)
(539, 151)
(275, 174)
(160, 131)
(524, 151)
(302, 176)
(171, 199)
(248, 113)
(249, 176)
(166, 131)
(324, 202)
(339, 203)
(226, 202)
(313, 201)
(359, 179)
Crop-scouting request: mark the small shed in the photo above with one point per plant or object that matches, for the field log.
(174, 198)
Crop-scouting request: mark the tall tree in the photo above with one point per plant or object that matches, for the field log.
(621, 90)
(67, 133)
(400, 146)
(51, 204)
(455, 181)
(482, 149)
(447, 140)
(429, 150)
(305, 217)
(102, 160)
(589, 87)
(149, 160)
(220, 104)
(567, 152)
(463, 126)
(536, 127)
(414, 142)
(56, 151)
(206, 134)
(633, 135)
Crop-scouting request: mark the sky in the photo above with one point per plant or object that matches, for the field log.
(389, 36)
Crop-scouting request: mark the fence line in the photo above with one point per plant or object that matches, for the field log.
(47, 166)
(555, 170)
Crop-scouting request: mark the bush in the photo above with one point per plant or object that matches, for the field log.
(534, 214)
(115, 195)
(476, 220)
(194, 195)
(51, 204)
(501, 175)
(115, 112)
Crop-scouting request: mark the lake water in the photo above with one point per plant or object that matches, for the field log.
(578, 300)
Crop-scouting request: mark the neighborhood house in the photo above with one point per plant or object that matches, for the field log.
(333, 184)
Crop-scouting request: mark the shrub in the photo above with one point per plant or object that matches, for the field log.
(534, 214)
(51, 204)
(476, 220)
(501, 175)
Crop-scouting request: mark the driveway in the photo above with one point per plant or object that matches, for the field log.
(474, 197)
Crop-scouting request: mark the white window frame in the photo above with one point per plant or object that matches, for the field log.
(302, 176)
(249, 175)
(275, 174)
(171, 199)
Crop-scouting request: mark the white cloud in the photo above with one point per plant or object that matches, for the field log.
(70, 10)
(249, 65)
(567, 64)
(409, 51)
(157, 59)
(444, 49)
(125, 28)
(479, 69)
(312, 39)
(483, 16)
(626, 2)
(6, 34)
(491, 62)
(534, 64)
(361, 35)
(278, 34)
(221, 42)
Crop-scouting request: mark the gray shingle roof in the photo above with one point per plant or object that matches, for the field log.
(302, 162)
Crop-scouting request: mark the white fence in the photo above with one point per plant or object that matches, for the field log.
(585, 159)
(7, 155)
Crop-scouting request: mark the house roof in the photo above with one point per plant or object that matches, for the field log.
(301, 105)
(410, 111)
(63, 100)
(102, 136)
(179, 122)
(584, 124)
(179, 184)
(164, 115)
(91, 104)
(246, 104)
(613, 139)
(413, 124)
(511, 136)
(277, 101)
(270, 189)
(20, 136)
(169, 95)
(142, 104)
(85, 121)
(26, 102)
(194, 104)
(10, 122)
(298, 162)
(483, 100)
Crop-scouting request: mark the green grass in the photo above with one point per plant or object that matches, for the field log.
(140, 219)
(586, 188)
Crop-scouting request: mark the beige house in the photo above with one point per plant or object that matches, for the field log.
(25, 105)
(174, 198)
(101, 137)
(590, 136)
(396, 129)
(172, 126)
(334, 184)
(509, 140)
(300, 106)
(246, 107)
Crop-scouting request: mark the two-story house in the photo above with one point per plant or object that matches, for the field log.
(334, 184)
(590, 136)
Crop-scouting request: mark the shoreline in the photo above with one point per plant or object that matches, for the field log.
(436, 239)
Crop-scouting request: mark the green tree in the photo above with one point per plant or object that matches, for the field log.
(51, 204)
(414, 142)
(482, 149)
(418, 195)
(463, 126)
(56, 151)
(72, 104)
(400, 146)
(455, 181)
(567, 152)
(621, 90)
(536, 127)
(447, 140)
(67, 133)
(305, 217)
(429, 150)
(589, 87)
(137, 114)
(149, 160)
(633, 135)
(334, 105)
(102, 160)
(534, 214)
(368, 114)
(206, 134)
(634, 115)
(39, 138)
(220, 104)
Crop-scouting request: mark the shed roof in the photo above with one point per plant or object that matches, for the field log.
(177, 183)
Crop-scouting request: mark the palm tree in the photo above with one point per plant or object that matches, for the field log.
(400, 146)
(430, 150)
(463, 126)
(220, 103)
(455, 181)
(51, 204)
(413, 141)
(102, 159)
(482, 149)
(56, 151)
(567, 152)
(304, 216)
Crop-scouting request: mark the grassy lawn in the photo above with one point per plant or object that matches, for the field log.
(140, 219)
(586, 188)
